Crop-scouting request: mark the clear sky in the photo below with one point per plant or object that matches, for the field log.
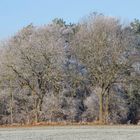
(15, 14)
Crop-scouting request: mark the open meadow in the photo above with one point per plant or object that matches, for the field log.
(71, 133)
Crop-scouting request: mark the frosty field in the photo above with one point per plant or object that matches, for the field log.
(72, 133)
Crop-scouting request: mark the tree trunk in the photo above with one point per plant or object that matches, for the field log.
(11, 105)
(35, 119)
(38, 104)
(107, 109)
(36, 112)
(101, 108)
(11, 109)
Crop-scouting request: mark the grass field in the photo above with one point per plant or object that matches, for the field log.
(71, 133)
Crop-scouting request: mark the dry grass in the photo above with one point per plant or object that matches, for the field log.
(42, 124)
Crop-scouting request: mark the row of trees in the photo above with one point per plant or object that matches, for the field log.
(72, 72)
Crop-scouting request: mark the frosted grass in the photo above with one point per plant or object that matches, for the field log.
(71, 133)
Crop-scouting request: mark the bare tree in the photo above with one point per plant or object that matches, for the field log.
(35, 57)
(100, 45)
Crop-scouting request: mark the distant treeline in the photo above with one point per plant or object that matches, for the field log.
(84, 72)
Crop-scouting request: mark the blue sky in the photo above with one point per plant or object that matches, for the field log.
(15, 14)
